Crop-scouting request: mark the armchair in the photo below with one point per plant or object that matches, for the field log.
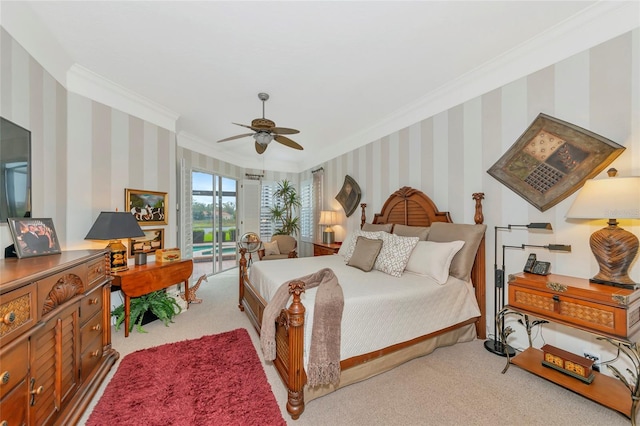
(287, 246)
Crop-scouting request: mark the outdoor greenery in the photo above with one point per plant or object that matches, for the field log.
(158, 303)
(286, 200)
(202, 221)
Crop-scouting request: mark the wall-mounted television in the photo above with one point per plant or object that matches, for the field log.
(15, 171)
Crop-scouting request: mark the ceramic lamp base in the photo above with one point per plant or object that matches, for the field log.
(328, 237)
(614, 250)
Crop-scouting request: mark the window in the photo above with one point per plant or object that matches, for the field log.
(267, 227)
(306, 211)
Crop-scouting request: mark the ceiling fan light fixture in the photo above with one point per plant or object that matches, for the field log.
(263, 138)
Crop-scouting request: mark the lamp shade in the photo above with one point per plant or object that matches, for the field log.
(613, 197)
(327, 217)
(114, 225)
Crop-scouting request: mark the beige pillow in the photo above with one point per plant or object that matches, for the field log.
(349, 244)
(395, 253)
(411, 231)
(365, 253)
(433, 259)
(470, 234)
(271, 248)
(384, 227)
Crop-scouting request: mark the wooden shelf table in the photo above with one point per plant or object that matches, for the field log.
(139, 280)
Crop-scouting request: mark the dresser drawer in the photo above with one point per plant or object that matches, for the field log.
(90, 331)
(14, 406)
(91, 304)
(13, 366)
(96, 272)
(90, 357)
(17, 312)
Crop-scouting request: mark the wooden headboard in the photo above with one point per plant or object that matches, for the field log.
(412, 207)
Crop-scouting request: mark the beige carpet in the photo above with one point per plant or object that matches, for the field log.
(458, 385)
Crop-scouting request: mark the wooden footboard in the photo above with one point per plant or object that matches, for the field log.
(289, 360)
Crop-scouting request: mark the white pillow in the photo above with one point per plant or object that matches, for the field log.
(395, 253)
(347, 247)
(433, 259)
(271, 248)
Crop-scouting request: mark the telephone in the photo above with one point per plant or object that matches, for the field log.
(535, 267)
(530, 261)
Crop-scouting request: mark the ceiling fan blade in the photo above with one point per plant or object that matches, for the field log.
(284, 131)
(261, 148)
(235, 137)
(288, 142)
(255, 129)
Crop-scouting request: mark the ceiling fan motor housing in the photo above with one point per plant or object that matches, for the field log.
(263, 123)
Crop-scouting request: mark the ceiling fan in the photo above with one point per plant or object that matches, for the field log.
(266, 131)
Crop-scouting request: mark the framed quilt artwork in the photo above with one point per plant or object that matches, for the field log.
(552, 159)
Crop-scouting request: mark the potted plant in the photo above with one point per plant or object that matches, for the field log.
(158, 303)
(286, 199)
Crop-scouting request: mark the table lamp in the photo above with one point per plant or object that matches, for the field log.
(112, 226)
(613, 247)
(328, 218)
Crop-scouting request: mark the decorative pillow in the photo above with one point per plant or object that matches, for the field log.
(271, 248)
(395, 253)
(433, 259)
(365, 254)
(349, 244)
(384, 227)
(411, 231)
(471, 234)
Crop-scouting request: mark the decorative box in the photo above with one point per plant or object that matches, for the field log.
(167, 255)
(568, 363)
(608, 310)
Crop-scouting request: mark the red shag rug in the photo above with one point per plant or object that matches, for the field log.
(214, 380)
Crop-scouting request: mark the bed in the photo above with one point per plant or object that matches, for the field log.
(406, 210)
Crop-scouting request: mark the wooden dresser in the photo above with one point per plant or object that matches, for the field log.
(55, 336)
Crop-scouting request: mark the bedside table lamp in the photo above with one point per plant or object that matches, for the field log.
(328, 218)
(613, 247)
(113, 226)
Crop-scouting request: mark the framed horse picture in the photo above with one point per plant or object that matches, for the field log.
(148, 207)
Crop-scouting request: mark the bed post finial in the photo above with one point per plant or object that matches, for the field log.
(363, 218)
(479, 216)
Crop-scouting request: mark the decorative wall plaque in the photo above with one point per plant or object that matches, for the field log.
(552, 159)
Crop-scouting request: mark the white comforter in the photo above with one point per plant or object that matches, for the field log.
(379, 310)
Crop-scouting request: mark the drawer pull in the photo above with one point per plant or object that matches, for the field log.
(5, 377)
(556, 298)
(93, 301)
(9, 318)
(35, 392)
(98, 269)
(95, 353)
(96, 327)
(561, 288)
(4, 423)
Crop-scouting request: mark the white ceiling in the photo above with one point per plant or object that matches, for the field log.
(342, 72)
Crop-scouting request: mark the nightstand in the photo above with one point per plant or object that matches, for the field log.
(610, 313)
(323, 249)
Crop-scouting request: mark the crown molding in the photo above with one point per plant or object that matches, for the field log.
(85, 82)
(597, 24)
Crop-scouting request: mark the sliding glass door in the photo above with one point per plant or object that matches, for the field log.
(214, 225)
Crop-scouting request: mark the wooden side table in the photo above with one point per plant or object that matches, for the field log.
(610, 313)
(324, 249)
(144, 279)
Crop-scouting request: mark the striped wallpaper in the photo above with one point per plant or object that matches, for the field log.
(85, 154)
